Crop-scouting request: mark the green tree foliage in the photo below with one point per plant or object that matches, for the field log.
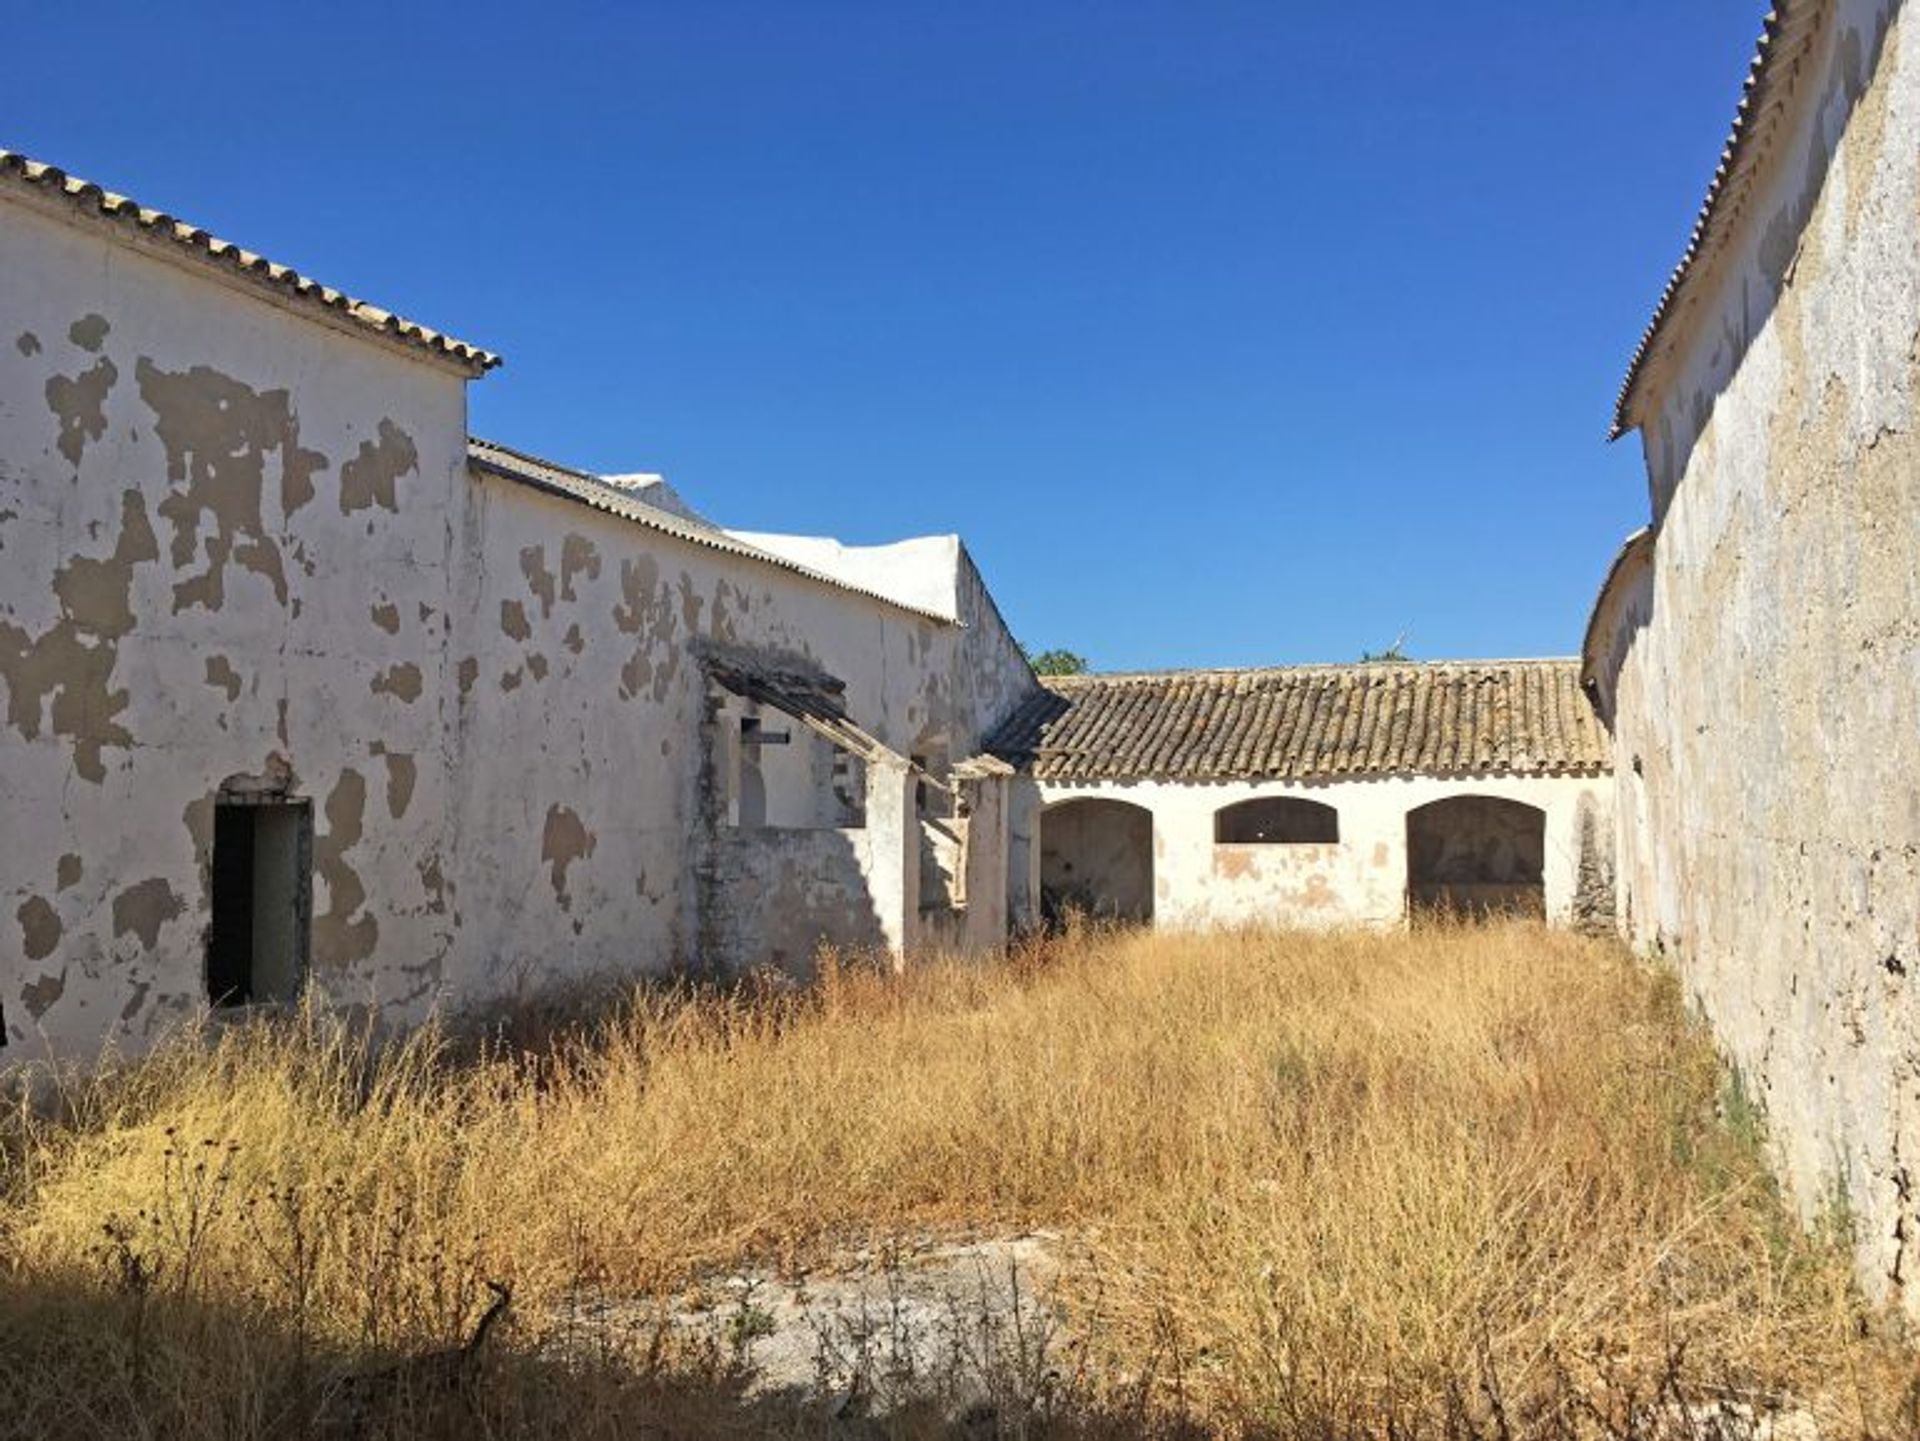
(1056, 662)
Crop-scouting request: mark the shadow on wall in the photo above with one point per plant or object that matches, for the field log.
(1476, 855)
(1096, 856)
(782, 893)
(1779, 247)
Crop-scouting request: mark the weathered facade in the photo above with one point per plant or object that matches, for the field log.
(1757, 649)
(308, 690)
(1314, 795)
(304, 688)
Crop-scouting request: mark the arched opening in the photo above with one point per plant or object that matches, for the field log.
(1276, 821)
(1096, 856)
(1477, 855)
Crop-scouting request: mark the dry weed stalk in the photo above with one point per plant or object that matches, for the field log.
(1456, 1182)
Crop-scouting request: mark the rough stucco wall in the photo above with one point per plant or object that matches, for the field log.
(224, 548)
(1360, 880)
(578, 670)
(239, 542)
(1768, 668)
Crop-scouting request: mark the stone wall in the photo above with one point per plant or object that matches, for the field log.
(1760, 652)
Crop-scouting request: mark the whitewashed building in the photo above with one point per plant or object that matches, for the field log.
(305, 688)
(1314, 795)
(307, 691)
(1756, 648)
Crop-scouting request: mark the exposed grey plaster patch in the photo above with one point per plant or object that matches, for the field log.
(537, 666)
(222, 676)
(143, 908)
(434, 882)
(96, 594)
(218, 433)
(635, 674)
(27, 343)
(638, 577)
(401, 681)
(467, 673)
(401, 776)
(136, 1002)
(513, 620)
(80, 404)
(72, 662)
(577, 557)
(533, 565)
(198, 817)
(339, 940)
(44, 994)
(39, 928)
(387, 617)
(369, 479)
(564, 841)
(68, 872)
(89, 332)
(574, 641)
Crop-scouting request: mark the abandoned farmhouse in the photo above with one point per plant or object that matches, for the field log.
(308, 689)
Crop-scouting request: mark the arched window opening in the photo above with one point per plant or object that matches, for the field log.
(1277, 821)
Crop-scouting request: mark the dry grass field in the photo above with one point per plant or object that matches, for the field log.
(1456, 1182)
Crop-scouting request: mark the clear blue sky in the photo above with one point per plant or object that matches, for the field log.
(1225, 333)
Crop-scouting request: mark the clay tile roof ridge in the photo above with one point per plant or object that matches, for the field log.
(22, 170)
(1730, 181)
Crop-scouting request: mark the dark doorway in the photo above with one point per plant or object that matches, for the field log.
(262, 901)
(1476, 855)
(1096, 856)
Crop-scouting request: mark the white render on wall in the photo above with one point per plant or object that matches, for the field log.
(1756, 650)
(243, 543)
(1361, 880)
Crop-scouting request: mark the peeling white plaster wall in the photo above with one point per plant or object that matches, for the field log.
(1765, 665)
(1362, 879)
(226, 534)
(237, 538)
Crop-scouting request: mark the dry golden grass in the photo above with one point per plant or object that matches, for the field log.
(1445, 1182)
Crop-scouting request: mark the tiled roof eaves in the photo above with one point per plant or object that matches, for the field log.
(1311, 724)
(1789, 27)
(93, 200)
(509, 464)
(1632, 550)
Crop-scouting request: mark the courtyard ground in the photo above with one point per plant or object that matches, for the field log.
(1452, 1182)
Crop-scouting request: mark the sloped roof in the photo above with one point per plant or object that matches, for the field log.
(1790, 31)
(1309, 723)
(52, 182)
(496, 459)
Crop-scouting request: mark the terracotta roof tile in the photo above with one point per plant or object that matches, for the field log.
(50, 180)
(1525, 717)
(1786, 39)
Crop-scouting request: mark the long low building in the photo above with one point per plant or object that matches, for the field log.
(307, 692)
(1317, 795)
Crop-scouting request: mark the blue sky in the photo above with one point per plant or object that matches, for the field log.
(1225, 333)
